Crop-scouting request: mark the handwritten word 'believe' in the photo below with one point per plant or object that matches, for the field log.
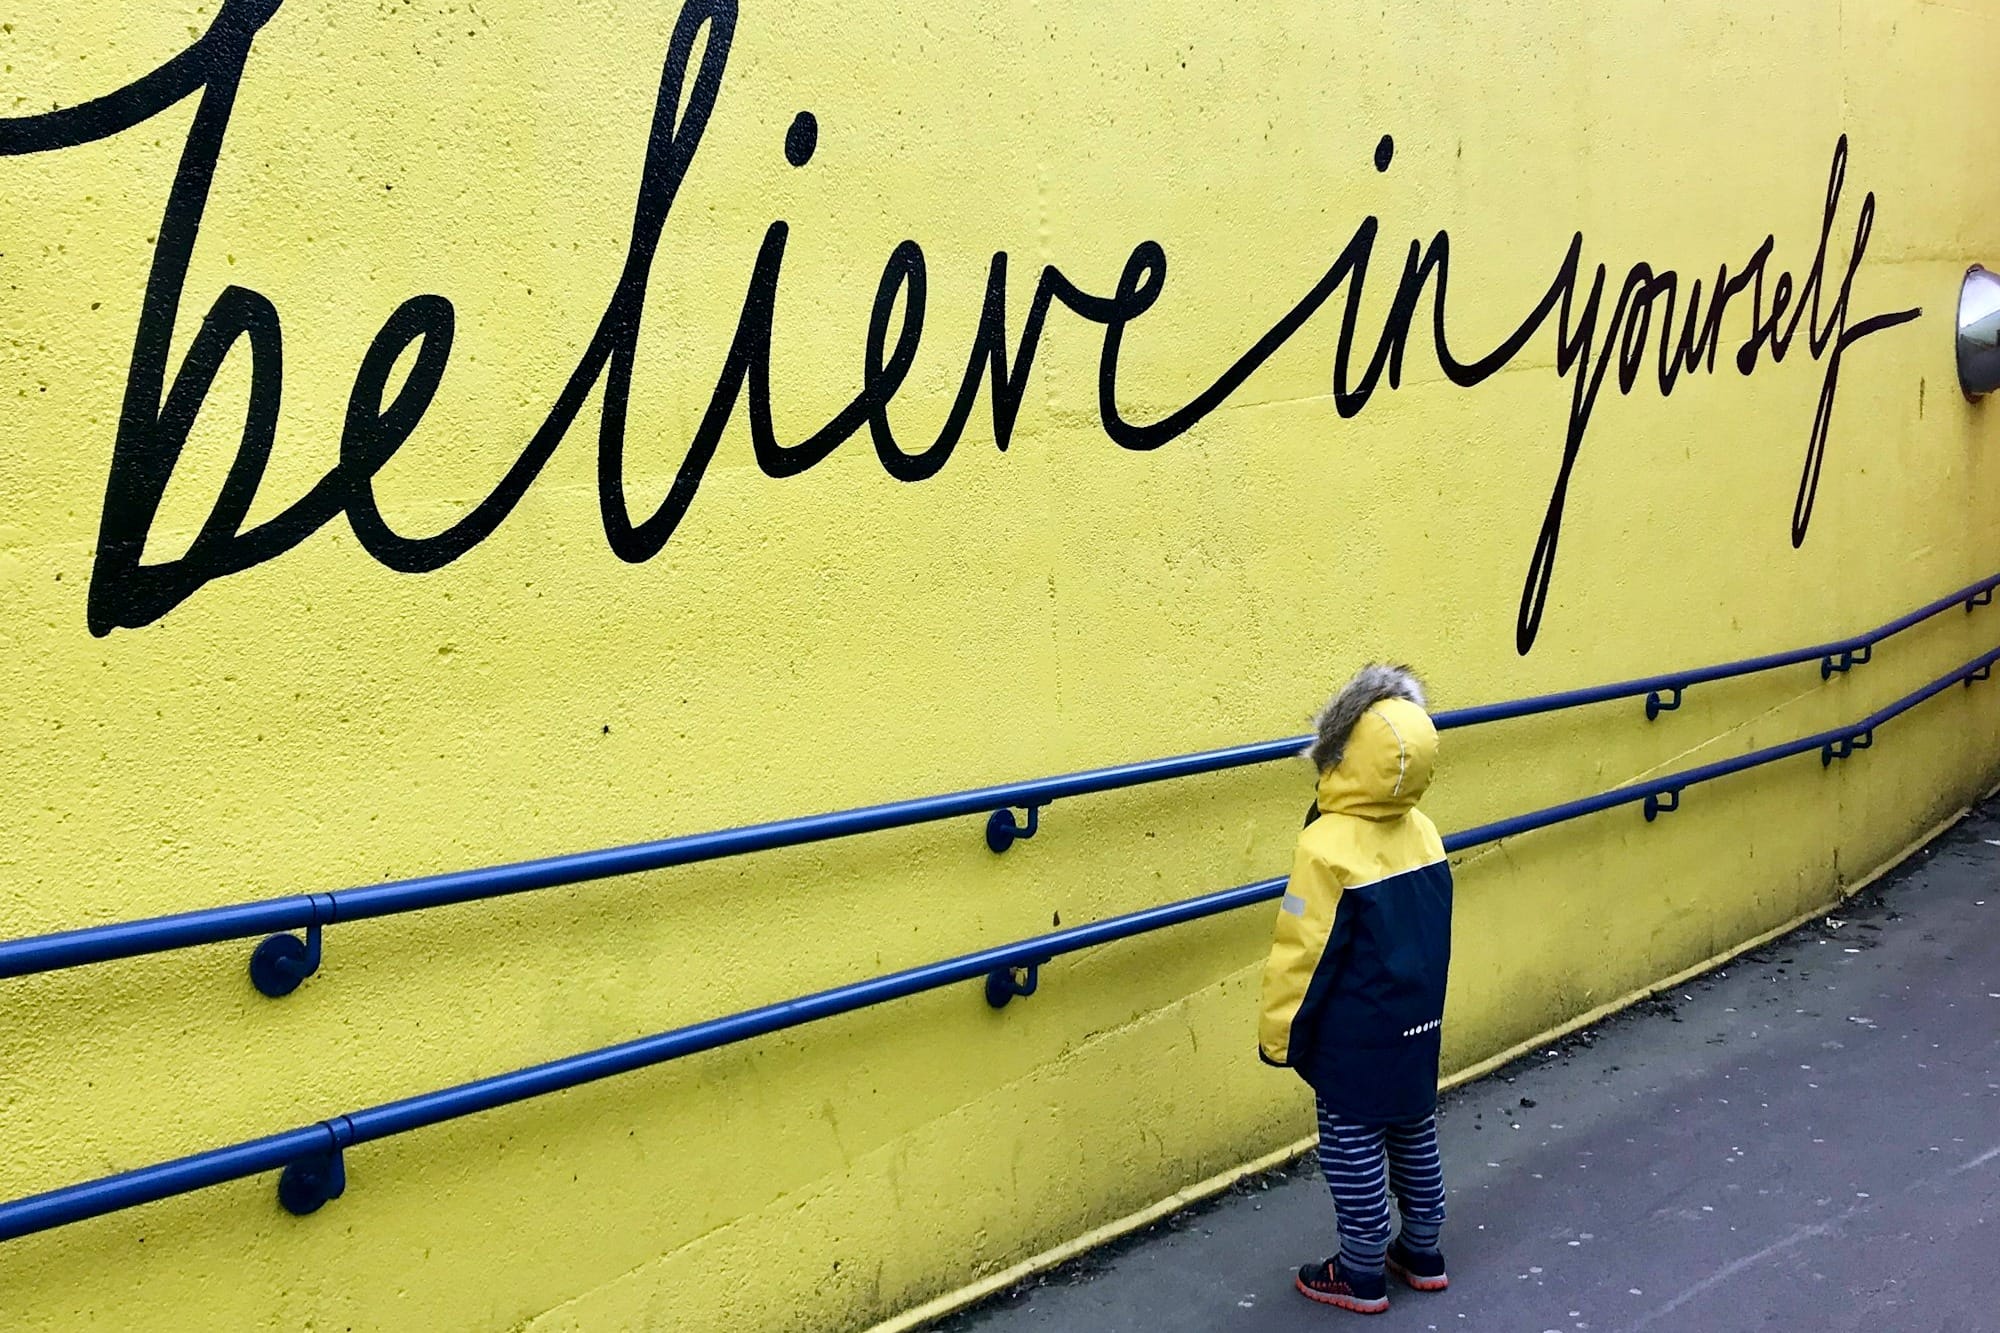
(157, 415)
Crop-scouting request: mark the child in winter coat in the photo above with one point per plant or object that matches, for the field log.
(1353, 994)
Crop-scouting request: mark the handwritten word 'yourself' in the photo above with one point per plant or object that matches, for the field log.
(157, 414)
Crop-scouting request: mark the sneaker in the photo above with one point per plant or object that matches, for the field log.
(1423, 1272)
(1331, 1283)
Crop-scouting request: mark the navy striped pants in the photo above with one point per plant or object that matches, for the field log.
(1353, 1160)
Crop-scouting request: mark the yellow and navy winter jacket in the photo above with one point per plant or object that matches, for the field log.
(1353, 995)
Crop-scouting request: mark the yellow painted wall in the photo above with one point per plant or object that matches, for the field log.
(838, 637)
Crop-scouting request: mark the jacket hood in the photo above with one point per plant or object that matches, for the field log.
(1376, 746)
(1370, 686)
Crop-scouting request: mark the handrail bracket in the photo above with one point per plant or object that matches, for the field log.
(281, 962)
(1003, 830)
(310, 1183)
(1845, 660)
(1006, 983)
(1845, 746)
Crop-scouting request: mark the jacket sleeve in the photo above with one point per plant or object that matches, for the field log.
(1299, 940)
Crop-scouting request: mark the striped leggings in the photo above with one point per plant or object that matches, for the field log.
(1352, 1157)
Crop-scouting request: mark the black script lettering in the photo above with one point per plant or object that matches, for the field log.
(157, 415)
(373, 433)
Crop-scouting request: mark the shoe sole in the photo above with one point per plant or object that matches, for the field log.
(1353, 1303)
(1416, 1283)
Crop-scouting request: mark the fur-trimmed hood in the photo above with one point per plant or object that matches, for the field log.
(1381, 746)
(1370, 686)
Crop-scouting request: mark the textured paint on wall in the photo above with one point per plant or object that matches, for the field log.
(642, 419)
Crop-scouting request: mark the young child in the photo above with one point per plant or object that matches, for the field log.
(1353, 995)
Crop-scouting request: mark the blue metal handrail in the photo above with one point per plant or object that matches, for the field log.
(282, 960)
(310, 1158)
